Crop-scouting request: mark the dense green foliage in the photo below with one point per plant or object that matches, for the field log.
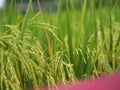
(45, 48)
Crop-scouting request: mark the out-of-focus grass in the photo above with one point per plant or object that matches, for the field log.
(79, 43)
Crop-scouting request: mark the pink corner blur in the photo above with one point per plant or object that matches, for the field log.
(111, 82)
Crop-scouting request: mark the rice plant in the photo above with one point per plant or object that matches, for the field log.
(45, 48)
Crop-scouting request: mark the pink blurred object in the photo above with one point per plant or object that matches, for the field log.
(109, 82)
